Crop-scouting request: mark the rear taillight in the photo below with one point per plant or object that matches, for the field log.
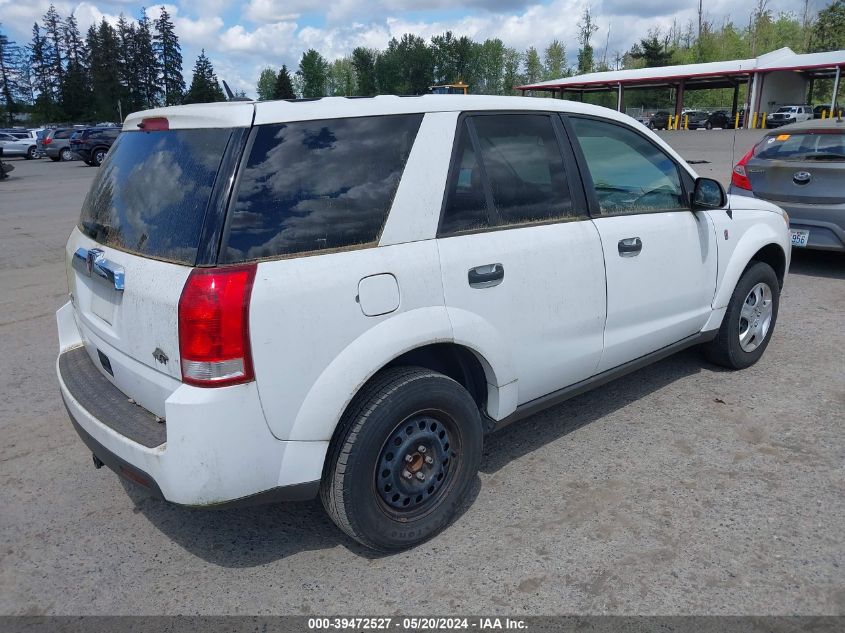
(47, 140)
(214, 326)
(739, 177)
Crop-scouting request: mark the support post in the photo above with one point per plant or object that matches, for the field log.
(734, 105)
(619, 98)
(835, 90)
(810, 91)
(679, 101)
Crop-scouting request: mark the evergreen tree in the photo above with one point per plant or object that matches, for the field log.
(128, 68)
(11, 89)
(53, 49)
(104, 48)
(653, 51)
(533, 66)
(283, 88)
(314, 70)
(364, 63)
(169, 54)
(204, 85)
(147, 64)
(44, 108)
(266, 84)
(75, 89)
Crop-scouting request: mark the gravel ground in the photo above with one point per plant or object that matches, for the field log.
(680, 489)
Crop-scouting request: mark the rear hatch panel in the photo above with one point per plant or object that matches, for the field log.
(157, 202)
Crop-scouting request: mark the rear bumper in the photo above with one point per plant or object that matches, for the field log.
(216, 448)
(826, 223)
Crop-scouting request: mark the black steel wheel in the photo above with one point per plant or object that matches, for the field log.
(402, 459)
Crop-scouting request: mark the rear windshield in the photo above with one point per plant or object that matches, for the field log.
(318, 185)
(805, 146)
(151, 194)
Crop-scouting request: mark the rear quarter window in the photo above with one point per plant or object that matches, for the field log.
(150, 197)
(807, 146)
(311, 186)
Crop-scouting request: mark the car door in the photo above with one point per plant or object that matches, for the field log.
(520, 260)
(660, 256)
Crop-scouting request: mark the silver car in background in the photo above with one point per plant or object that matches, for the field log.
(55, 144)
(801, 168)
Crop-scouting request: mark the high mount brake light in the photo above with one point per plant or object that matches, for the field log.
(154, 124)
(214, 326)
(739, 176)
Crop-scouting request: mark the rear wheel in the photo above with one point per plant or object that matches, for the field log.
(98, 156)
(708, 125)
(403, 458)
(749, 320)
(31, 153)
(66, 154)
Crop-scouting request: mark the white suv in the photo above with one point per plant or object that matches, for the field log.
(341, 297)
(785, 115)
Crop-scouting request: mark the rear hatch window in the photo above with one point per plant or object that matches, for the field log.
(816, 146)
(151, 195)
(313, 186)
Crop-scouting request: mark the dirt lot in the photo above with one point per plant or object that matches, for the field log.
(679, 489)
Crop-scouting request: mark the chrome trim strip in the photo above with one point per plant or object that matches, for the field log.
(88, 261)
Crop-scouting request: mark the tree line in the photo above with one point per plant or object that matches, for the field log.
(61, 75)
(410, 64)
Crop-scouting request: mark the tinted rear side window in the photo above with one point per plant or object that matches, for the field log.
(317, 185)
(151, 195)
(802, 146)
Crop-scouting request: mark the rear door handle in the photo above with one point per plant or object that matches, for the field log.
(630, 247)
(486, 276)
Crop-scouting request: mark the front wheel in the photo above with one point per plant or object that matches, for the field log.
(99, 157)
(403, 458)
(31, 153)
(749, 320)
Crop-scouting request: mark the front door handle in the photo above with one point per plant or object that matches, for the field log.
(486, 276)
(630, 247)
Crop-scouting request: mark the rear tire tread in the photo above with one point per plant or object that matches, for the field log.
(366, 401)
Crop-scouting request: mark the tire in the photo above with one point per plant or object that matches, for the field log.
(749, 320)
(66, 154)
(31, 153)
(708, 125)
(405, 421)
(650, 125)
(98, 156)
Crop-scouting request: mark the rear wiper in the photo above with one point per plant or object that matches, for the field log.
(95, 229)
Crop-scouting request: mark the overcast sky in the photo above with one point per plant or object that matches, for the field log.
(243, 37)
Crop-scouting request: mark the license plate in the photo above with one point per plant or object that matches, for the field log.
(799, 237)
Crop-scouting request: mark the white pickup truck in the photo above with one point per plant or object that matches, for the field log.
(277, 300)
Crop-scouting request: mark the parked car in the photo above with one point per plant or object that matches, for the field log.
(802, 169)
(789, 114)
(92, 144)
(695, 119)
(55, 144)
(659, 120)
(720, 119)
(19, 144)
(385, 281)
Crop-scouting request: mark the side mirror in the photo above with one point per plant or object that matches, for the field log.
(708, 194)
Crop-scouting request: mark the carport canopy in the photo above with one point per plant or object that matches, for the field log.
(782, 68)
